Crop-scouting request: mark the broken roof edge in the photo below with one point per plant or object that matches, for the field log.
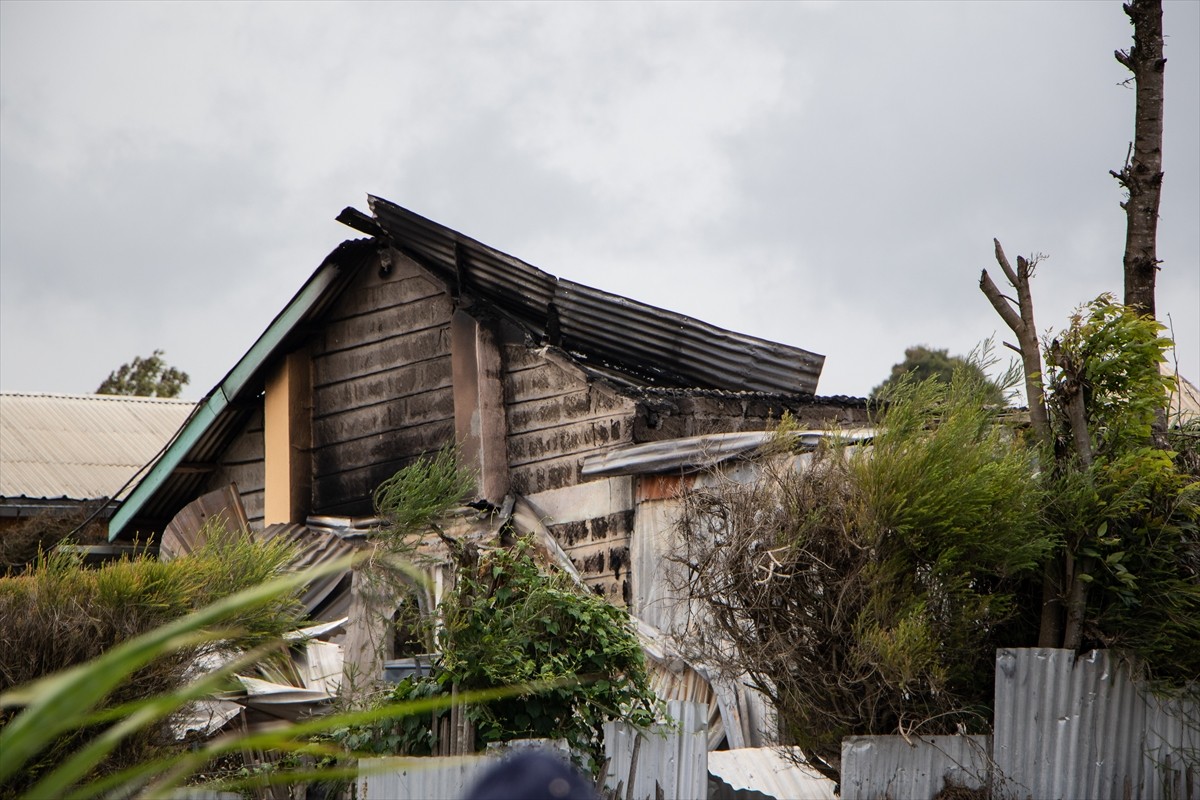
(344, 258)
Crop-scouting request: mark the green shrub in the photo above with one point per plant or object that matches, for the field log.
(569, 660)
(510, 624)
(61, 614)
(419, 494)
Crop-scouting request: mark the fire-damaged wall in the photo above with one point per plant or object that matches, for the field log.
(556, 417)
(396, 372)
(242, 463)
(382, 391)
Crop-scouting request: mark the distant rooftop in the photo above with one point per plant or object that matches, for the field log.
(80, 447)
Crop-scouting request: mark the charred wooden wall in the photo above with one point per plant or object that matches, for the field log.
(244, 463)
(555, 418)
(382, 391)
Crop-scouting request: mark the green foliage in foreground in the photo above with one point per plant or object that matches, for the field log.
(60, 615)
(508, 623)
(73, 700)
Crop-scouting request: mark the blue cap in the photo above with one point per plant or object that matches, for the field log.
(532, 775)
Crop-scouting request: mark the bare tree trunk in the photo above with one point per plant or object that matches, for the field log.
(1078, 567)
(1021, 322)
(1142, 176)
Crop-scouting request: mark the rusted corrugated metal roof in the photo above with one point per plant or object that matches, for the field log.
(80, 447)
(661, 347)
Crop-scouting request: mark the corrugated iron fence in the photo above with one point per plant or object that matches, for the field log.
(1064, 727)
(669, 761)
(666, 761)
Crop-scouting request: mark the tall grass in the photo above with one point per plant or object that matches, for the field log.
(74, 700)
(60, 616)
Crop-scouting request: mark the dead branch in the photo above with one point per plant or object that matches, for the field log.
(1020, 321)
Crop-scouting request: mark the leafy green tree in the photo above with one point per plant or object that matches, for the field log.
(923, 363)
(145, 377)
(1126, 510)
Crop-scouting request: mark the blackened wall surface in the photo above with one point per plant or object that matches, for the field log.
(382, 392)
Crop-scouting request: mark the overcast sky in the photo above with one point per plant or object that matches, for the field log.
(829, 175)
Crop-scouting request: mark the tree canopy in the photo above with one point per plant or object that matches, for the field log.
(145, 377)
(922, 363)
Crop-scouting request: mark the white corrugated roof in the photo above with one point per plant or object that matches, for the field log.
(80, 447)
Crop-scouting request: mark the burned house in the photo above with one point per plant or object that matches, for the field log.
(579, 411)
(418, 336)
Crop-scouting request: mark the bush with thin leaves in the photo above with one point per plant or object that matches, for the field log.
(79, 699)
(865, 593)
(422, 492)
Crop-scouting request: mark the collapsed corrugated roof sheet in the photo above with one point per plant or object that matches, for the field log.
(80, 447)
(693, 453)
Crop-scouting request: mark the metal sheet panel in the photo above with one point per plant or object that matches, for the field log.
(673, 757)
(879, 767)
(81, 447)
(313, 549)
(692, 453)
(776, 772)
(1068, 727)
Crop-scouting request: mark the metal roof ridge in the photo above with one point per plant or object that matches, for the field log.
(125, 398)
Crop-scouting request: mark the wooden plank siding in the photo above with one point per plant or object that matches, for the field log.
(556, 416)
(244, 463)
(382, 390)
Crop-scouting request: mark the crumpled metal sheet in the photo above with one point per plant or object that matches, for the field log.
(692, 453)
(772, 772)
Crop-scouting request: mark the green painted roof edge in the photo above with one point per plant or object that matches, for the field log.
(220, 398)
(206, 414)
